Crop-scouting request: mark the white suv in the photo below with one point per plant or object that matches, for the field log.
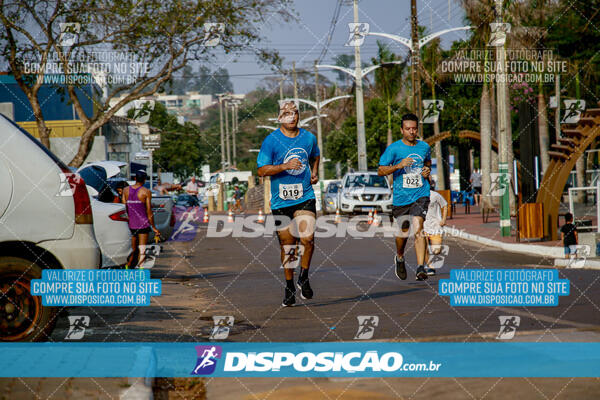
(45, 222)
(363, 192)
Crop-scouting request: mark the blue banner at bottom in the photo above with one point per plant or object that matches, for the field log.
(331, 359)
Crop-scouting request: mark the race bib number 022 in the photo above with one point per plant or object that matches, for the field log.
(411, 181)
(292, 191)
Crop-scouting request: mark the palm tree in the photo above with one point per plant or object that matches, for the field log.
(481, 13)
(431, 57)
(388, 81)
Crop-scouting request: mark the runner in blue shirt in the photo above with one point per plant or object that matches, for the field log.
(409, 159)
(290, 156)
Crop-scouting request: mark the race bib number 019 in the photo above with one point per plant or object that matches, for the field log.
(411, 181)
(292, 191)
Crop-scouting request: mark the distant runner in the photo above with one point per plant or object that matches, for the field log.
(409, 159)
(437, 212)
(290, 156)
(138, 201)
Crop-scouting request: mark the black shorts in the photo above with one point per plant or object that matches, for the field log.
(135, 232)
(477, 189)
(308, 205)
(416, 209)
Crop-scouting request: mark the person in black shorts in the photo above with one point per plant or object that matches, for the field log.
(290, 156)
(409, 159)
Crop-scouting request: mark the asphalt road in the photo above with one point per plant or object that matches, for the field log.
(241, 277)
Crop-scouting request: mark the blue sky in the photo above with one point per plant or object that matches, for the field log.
(304, 40)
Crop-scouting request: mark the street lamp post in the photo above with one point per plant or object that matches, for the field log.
(358, 74)
(221, 97)
(504, 141)
(360, 107)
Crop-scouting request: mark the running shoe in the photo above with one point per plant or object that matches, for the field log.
(430, 271)
(289, 297)
(306, 291)
(400, 268)
(421, 273)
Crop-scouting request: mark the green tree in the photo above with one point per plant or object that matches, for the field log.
(164, 35)
(184, 148)
(388, 81)
(341, 144)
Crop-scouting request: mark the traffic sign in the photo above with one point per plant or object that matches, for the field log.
(151, 141)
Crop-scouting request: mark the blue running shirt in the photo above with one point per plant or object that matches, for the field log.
(409, 185)
(289, 187)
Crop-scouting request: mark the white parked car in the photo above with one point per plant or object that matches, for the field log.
(362, 192)
(110, 219)
(45, 223)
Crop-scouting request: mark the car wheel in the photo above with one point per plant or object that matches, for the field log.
(22, 315)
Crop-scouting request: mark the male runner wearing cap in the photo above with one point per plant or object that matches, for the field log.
(138, 201)
(290, 156)
(409, 159)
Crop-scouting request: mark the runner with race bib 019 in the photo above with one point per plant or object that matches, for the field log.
(290, 156)
(409, 159)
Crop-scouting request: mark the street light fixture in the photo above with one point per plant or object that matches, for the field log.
(358, 74)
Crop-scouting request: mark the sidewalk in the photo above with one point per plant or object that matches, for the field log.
(471, 227)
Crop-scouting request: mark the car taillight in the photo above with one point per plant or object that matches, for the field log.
(172, 221)
(83, 207)
(119, 216)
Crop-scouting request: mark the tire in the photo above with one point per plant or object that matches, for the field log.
(23, 318)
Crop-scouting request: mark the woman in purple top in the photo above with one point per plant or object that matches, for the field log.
(138, 199)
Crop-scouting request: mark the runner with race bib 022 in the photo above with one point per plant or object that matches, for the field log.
(409, 160)
(290, 156)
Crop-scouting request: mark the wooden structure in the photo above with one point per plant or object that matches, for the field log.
(531, 221)
(563, 156)
(466, 134)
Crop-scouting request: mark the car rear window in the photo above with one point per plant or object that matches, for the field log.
(39, 144)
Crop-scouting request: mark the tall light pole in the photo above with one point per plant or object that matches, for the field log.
(221, 96)
(227, 135)
(358, 74)
(234, 124)
(415, 56)
(503, 122)
(361, 141)
(415, 45)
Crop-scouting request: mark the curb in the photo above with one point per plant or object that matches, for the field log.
(563, 262)
(532, 249)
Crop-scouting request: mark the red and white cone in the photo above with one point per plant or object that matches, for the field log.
(230, 217)
(338, 217)
(370, 221)
(375, 219)
(205, 219)
(261, 216)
